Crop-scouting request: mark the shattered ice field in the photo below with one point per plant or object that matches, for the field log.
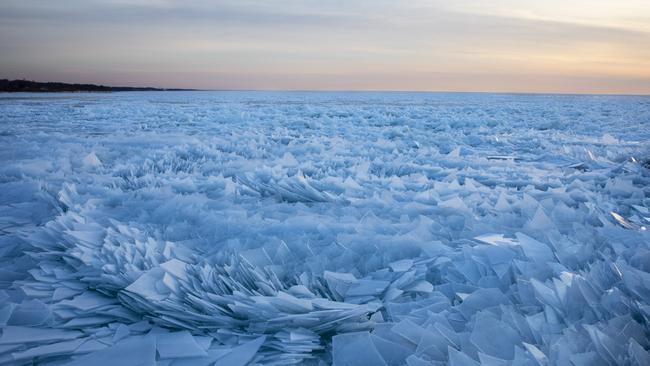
(235, 228)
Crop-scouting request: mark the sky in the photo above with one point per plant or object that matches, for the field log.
(564, 46)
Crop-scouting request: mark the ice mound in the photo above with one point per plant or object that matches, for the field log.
(345, 229)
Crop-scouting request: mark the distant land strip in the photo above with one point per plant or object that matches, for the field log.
(14, 86)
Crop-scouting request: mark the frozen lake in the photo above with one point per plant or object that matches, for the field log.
(188, 228)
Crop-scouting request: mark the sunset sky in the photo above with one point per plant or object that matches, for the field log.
(585, 46)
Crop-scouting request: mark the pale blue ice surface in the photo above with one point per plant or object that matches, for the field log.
(235, 228)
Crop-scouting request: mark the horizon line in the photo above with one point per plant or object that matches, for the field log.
(179, 89)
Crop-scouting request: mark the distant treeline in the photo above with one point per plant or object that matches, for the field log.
(35, 86)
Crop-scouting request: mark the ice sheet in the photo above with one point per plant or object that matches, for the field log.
(237, 228)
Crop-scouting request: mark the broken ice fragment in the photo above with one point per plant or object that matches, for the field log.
(54, 349)
(623, 221)
(501, 344)
(534, 249)
(178, 345)
(19, 334)
(241, 355)
(91, 161)
(353, 349)
(421, 286)
(496, 239)
(540, 221)
(457, 358)
(146, 285)
(401, 265)
(367, 288)
(29, 313)
(176, 268)
(538, 355)
(140, 350)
